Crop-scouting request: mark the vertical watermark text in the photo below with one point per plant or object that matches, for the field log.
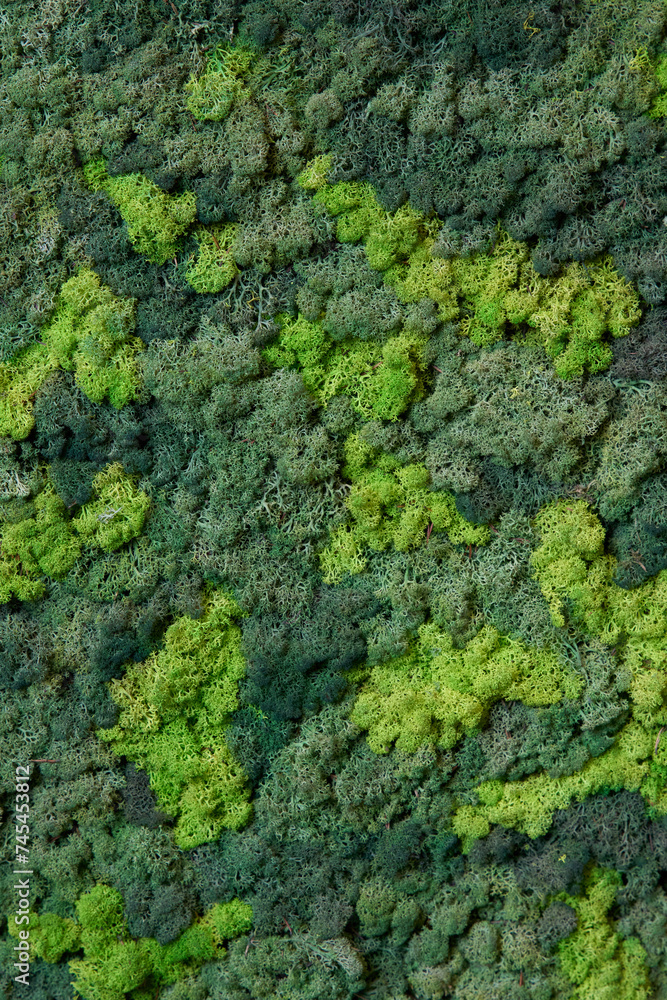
(22, 885)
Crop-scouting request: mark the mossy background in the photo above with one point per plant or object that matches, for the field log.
(333, 348)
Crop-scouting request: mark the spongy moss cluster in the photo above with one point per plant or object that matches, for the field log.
(175, 707)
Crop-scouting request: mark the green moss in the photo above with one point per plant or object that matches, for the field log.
(314, 176)
(356, 207)
(491, 294)
(572, 568)
(50, 935)
(380, 381)
(571, 538)
(214, 267)
(594, 958)
(155, 220)
(48, 542)
(577, 309)
(529, 805)
(435, 693)
(399, 379)
(577, 580)
(391, 507)
(229, 920)
(343, 554)
(43, 545)
(642, 63)
(91, 335)
(212, 96)
(375, 907)
(116, 515)
(20, 379)
(175, 708)
(424, 276)
(393, 238)
(114, 964)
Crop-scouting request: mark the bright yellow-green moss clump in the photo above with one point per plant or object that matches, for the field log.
(213, 94)
(344, 554)
(380, 380)
(571, 538)
(214, 266)
(495, 293)
(314, 176)
(529, 805)
(117, 513)
(570, 566)
(20, 379)
(576, 578)
(48, 542)
(155, 220)
(114, 964)
(41, 545)
(175, 708)
(390, 506)
(435, 693)
(91, 335)
(600, 964)
(641, 63)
